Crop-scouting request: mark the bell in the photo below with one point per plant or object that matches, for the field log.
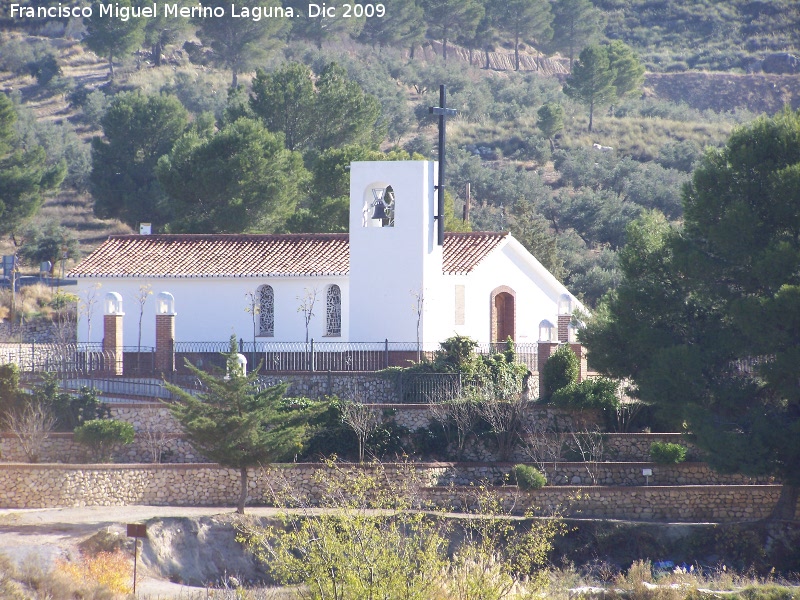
(380, 211)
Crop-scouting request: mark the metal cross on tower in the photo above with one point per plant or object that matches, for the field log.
(443, 113)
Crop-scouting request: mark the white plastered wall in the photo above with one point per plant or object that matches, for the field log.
(389, 265)
(536, 294)
(211, 309)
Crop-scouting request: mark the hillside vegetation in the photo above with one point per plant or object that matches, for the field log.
(568, 202)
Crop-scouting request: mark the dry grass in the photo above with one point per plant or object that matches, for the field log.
(642, 137)
(109, 570)
(32, 580)
(640, 582)
(38, 301)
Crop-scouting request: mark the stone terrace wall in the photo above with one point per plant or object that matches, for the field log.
(298, 476)
(153, 423)
(62, 448)
(43, 486)
(636, 446)
(371, 387)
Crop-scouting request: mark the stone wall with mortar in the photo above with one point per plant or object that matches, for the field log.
(43, 486)
(439, 474)
(370, 387)
(154, 425)
(62, 448)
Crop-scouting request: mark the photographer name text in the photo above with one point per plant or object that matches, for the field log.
(256, 13)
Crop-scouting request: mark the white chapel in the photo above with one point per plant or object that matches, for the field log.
(388, 279)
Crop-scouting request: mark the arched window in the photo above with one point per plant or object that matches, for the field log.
(333, 312)
(266, 307)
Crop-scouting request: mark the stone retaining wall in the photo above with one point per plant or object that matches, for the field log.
(300, 476)
(39, 331)
(154, 425)
(371, 387)
(685, 504)
(636, 446)
(46, 486)
(62, 448)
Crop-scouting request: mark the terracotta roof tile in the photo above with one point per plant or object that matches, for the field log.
(464, 251)
(192, 255)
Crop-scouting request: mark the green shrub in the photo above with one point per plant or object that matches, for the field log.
(528, 477)
(560, 370)
(102, 436)
(70, 411)
(10, 394)
(667, 453)
(591, 393)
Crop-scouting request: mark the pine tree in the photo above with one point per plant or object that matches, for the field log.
(525, 20)
(449, 19)
(550, 121)
(110, 36)
(707, 320)
(24, 173)
(576, 24)
(237, 426)
(592, 80)
(238, 44)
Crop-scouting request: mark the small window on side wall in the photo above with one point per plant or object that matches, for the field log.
(333, 312)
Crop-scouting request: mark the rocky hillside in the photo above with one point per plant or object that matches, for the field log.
(721, 92)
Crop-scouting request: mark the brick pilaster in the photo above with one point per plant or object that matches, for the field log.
(563, 327)
(165, 343)
(112, 342)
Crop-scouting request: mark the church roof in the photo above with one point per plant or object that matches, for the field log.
(254, 255)
(464, 251)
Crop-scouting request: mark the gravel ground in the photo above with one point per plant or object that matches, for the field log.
(48, 534)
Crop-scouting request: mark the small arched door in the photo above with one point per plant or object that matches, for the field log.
(503, 315)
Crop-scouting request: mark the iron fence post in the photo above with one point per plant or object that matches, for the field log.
(311, 362)
(386, 353)
(400, 377)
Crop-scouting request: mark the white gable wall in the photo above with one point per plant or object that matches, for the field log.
(210, 310)
(536, 294)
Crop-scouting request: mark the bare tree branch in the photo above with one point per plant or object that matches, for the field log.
(32, 426)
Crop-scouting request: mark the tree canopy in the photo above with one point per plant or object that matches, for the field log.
(241, 178)
(238, 43)
(112, 37)
(525, 20)
(449, 19)
(137, 130)
(288, 101)
(707, 320)
(24, 173)
(237, 426)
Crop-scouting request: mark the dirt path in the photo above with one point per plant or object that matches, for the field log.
(49, 534)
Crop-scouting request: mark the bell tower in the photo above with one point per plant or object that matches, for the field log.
(394, 255)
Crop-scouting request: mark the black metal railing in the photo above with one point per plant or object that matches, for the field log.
(427, 388)
(85, 359)
(269, 357)
(329, 356)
